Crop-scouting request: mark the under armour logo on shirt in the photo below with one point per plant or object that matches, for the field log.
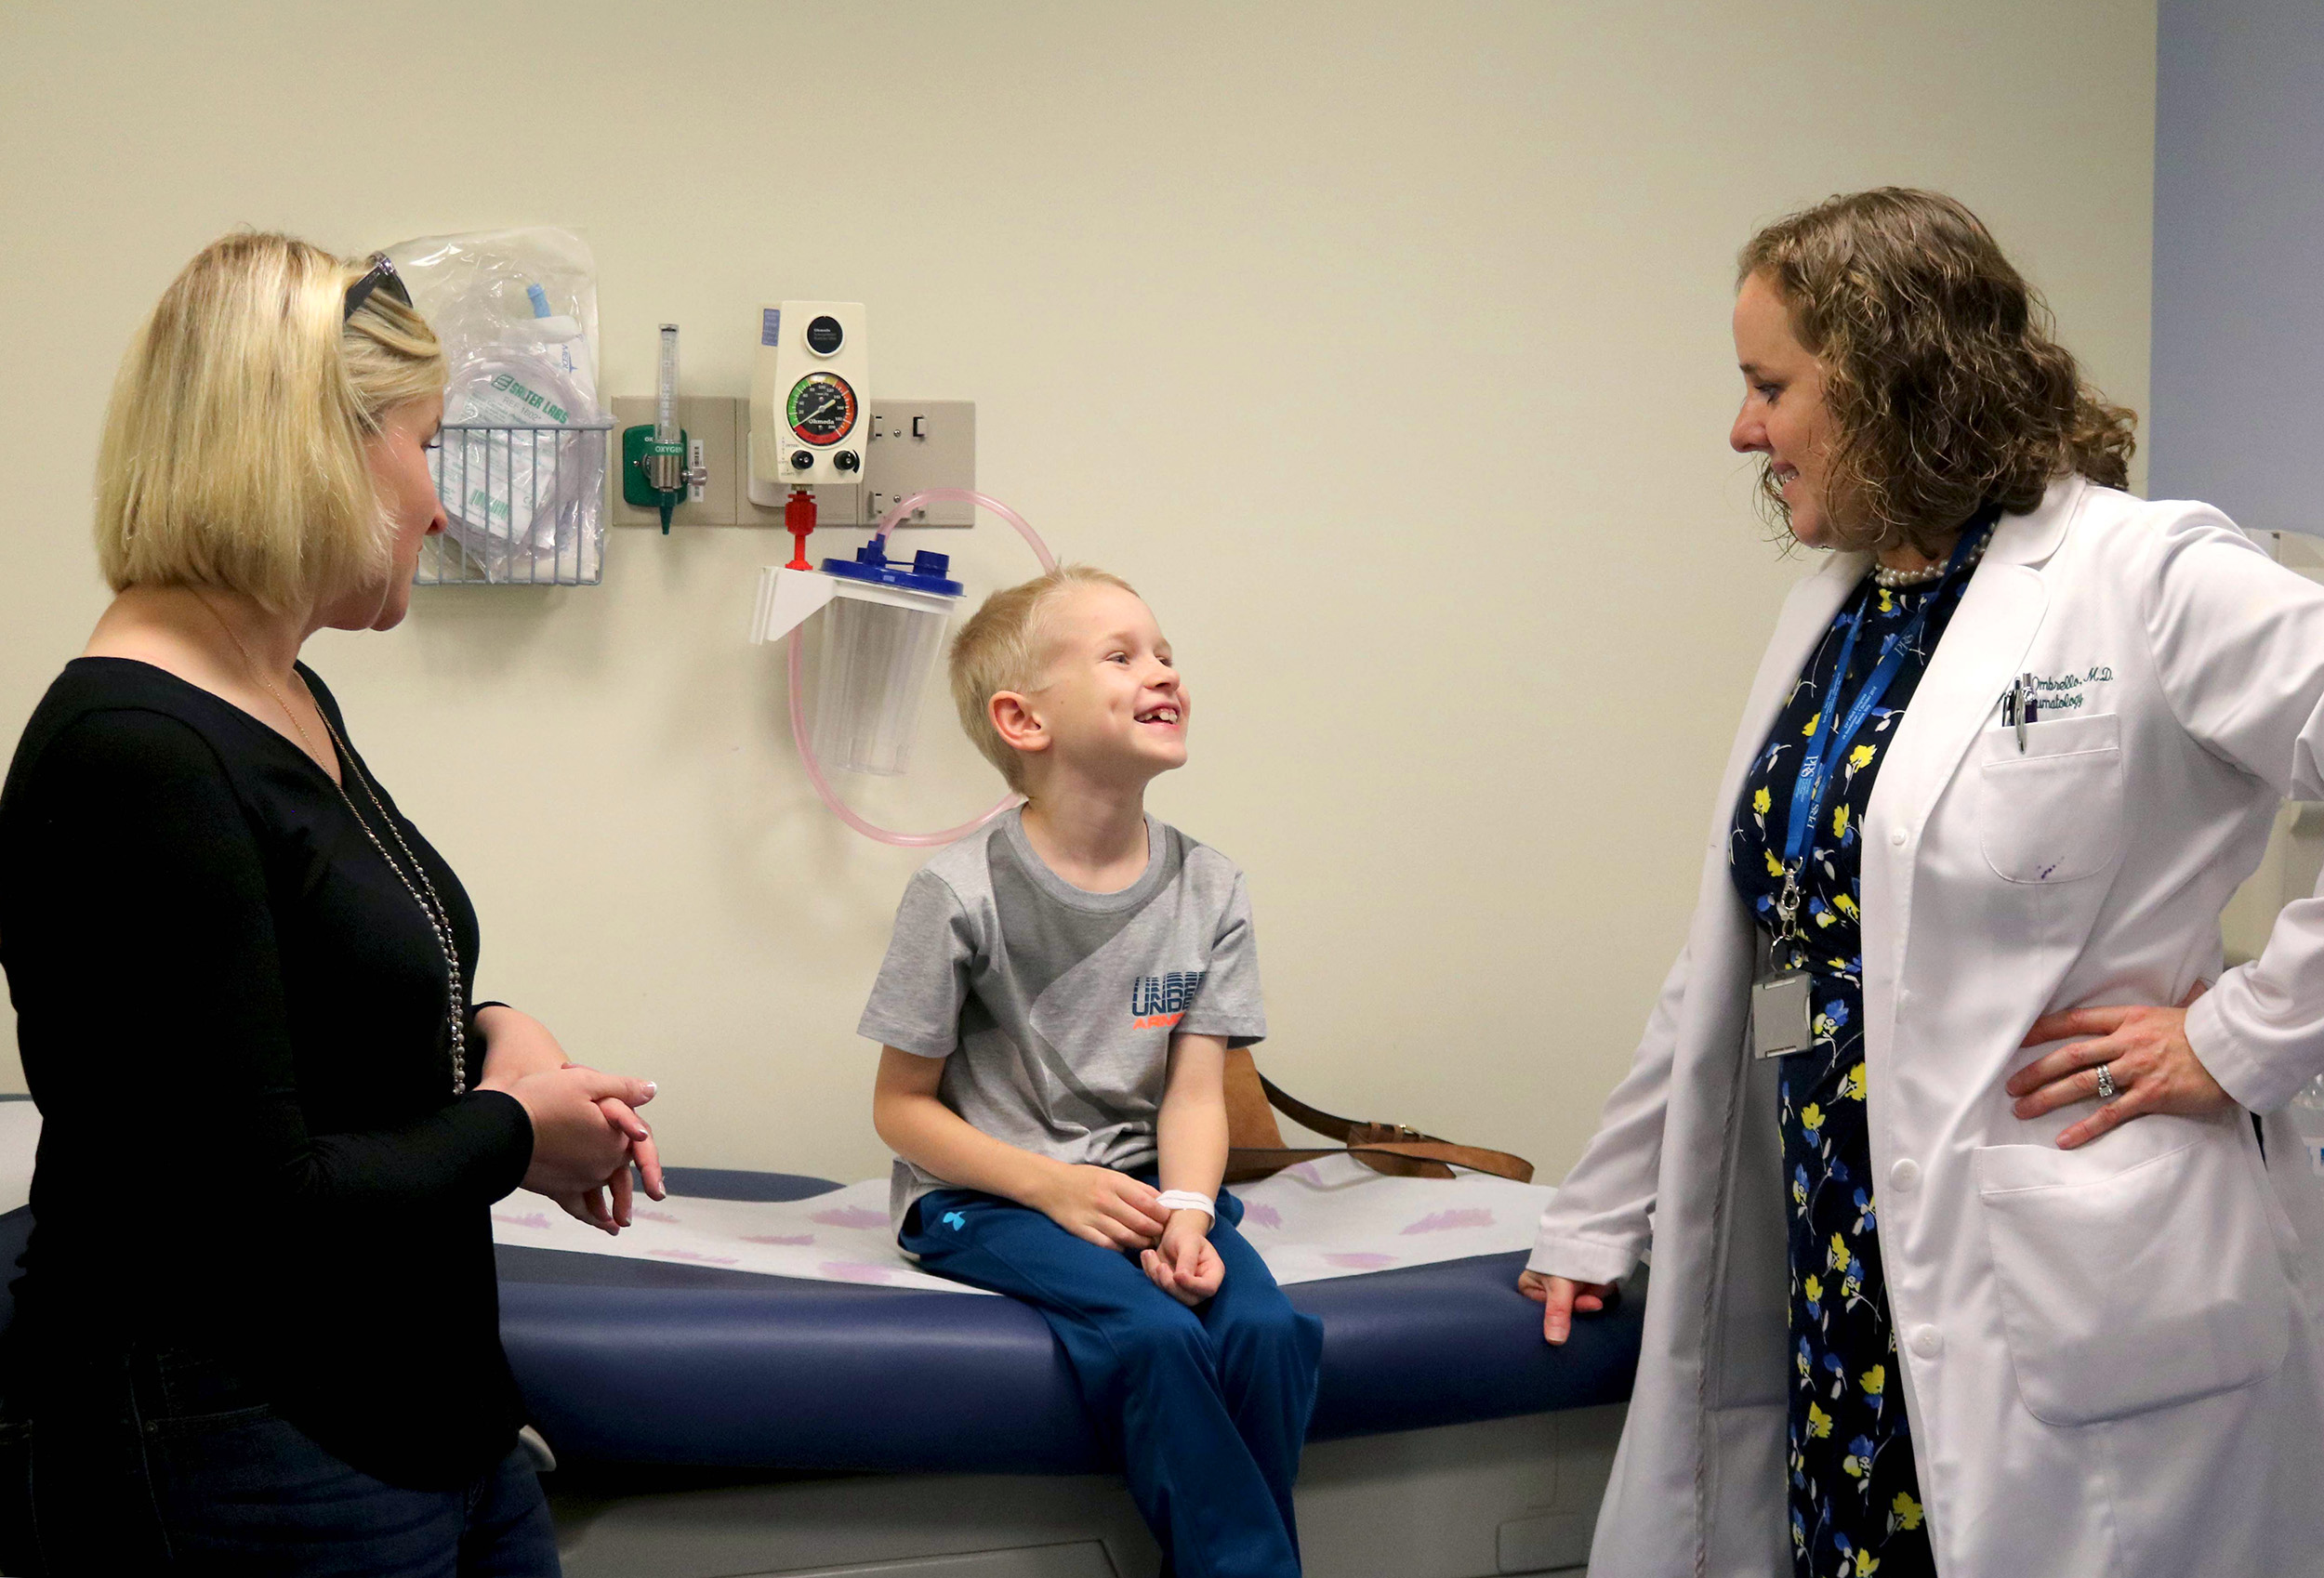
(1161, 1001)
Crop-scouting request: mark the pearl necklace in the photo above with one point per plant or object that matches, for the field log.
(1899, 579)
(423, 893)
(1889, 580)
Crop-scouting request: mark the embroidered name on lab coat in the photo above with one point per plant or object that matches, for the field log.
(2064, 692)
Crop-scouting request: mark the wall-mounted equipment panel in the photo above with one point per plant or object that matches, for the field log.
(909, 445)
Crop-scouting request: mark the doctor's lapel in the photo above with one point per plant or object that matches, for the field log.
(1983, 649)
(1807, 614)
(1723, 933)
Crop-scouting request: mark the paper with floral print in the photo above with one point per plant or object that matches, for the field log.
(1320, 1219)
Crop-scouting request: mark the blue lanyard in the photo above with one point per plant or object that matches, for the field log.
(1830, 745)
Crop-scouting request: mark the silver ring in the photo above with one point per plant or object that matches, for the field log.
(2106, 1091)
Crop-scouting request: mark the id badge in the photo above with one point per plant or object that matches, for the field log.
(1780, 1014)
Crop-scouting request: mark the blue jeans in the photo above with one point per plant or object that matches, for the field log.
(1207, 1407)
(166, 1466)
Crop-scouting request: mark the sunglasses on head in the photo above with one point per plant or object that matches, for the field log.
(380, 276)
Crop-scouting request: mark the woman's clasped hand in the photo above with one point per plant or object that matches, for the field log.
(587, 1134)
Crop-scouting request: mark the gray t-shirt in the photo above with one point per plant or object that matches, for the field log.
(1055, 1006)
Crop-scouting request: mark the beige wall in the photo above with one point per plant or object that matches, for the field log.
(1215, 275)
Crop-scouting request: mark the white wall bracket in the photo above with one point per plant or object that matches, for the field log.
(787, 599)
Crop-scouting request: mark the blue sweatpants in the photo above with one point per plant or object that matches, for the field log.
(1208, 1406)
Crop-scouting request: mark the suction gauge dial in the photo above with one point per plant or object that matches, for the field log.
(822, 408)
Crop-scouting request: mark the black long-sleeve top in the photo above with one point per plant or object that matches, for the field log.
(233, 1016)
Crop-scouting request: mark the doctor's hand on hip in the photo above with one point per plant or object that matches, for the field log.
(2137, 1061)
(1561, 1298)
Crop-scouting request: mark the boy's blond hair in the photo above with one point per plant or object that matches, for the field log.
(234, 446)
(1003, 646)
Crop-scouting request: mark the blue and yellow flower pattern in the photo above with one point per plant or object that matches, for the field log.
(1855, 1495)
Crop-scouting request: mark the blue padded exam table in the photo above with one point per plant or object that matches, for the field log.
(639, 1362)
(710, 1422)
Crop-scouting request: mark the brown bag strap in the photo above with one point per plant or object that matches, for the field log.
(1257, 1150)
(1308, 1117)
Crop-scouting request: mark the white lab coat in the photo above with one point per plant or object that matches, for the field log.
(2110, 1355)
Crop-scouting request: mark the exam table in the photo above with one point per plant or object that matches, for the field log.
(713, 1424)
(717, 1421)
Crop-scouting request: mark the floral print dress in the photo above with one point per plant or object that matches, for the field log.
(1855, 1497)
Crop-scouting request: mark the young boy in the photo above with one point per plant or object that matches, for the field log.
(1056, 1009)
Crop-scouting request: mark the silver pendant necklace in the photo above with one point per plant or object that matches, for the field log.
(422, 890)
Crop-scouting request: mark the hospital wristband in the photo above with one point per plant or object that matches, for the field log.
(1188, 1200)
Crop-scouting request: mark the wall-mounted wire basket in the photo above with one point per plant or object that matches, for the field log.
(524, 505)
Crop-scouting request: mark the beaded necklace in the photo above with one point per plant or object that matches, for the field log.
(416, 883)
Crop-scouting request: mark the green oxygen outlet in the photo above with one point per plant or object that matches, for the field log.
(646, 460)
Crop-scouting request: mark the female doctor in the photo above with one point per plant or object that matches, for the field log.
(1966, 1256)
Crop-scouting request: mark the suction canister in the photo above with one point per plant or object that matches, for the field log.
(878, 643)
(880, 639)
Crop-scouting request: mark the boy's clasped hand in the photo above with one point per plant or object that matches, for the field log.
(1115, 1211)
(1110, 1209)
(1185, 1265)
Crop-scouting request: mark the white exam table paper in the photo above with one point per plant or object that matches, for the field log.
(1335, 1217)
(1330, 1218)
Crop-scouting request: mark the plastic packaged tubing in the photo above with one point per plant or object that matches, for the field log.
(516, 313)
(795, 665)
(518, 492)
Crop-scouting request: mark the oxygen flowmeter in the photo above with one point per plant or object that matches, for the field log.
(654, 474)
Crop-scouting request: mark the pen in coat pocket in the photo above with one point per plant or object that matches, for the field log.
(2018, 707)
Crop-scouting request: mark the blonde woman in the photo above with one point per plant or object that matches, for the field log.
(257, 1332)
(1966, 1258)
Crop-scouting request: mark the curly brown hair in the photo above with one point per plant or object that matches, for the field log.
(1946, 389)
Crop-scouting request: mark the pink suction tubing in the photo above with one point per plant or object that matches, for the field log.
(795, 663)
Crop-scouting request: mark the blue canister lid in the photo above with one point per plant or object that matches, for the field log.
(928, 572)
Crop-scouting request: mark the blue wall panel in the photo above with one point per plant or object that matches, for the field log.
(2237, 401)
